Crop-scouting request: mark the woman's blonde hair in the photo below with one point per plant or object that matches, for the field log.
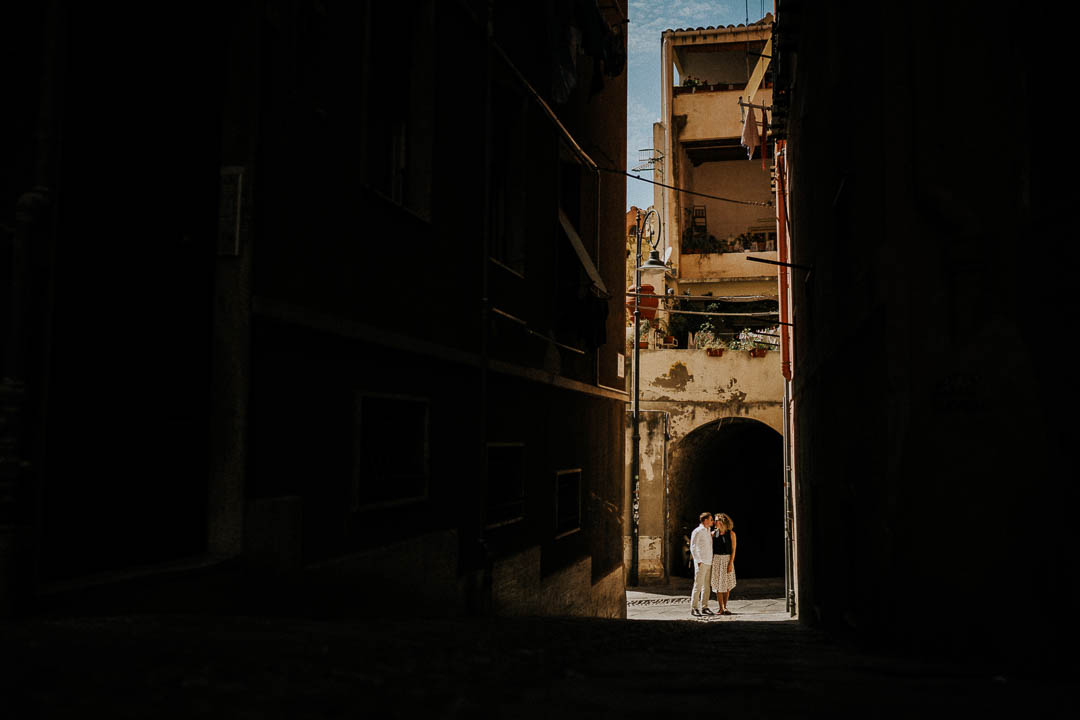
(726, 520)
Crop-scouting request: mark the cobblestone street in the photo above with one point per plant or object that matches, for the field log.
(752, 601)
(657, 664)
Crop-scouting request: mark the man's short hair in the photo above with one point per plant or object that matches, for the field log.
(702, 516)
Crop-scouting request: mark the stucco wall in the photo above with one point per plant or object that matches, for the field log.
(695, 388)
(651, 495)
(681, 390)
(726, 266)
(713, 114)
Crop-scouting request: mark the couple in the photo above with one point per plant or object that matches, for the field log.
(712, 547)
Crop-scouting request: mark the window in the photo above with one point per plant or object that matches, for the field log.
(391, 451)
(505, 484)
(399, 102)
(567, 502)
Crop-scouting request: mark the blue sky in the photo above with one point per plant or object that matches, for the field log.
(649, 18)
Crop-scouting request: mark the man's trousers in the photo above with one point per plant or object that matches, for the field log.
(699, 598)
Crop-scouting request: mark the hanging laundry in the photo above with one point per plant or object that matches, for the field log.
(750, 137)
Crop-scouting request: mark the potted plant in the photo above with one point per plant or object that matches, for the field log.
(643, 341)
(691, 82)
(705, 337)
(663, 333)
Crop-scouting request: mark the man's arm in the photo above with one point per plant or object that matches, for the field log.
(695, 545)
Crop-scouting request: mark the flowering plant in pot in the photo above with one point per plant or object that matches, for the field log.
(751, 341)
(707, 339)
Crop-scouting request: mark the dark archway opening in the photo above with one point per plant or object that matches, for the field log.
(734, 466)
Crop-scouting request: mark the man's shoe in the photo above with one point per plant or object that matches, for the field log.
(695, 612)
(707, 611)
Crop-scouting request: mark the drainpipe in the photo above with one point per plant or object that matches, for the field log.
(780, 153)
(785, 365)
(789, 516)
(635, 437)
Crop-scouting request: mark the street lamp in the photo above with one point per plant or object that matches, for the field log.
(653, 263)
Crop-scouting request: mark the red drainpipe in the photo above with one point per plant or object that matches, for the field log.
(782, 246)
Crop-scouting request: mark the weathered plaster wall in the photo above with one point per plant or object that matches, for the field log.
(682, 390)
(695, 388)
(725, 266)
(714, 114)
(651, 495)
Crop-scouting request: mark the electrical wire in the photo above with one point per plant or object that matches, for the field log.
(683, 190)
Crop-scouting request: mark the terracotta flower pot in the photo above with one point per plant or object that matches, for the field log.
(646, 305)
(758, 352)
(714, 352)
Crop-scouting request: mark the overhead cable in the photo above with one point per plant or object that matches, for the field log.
(683, 190)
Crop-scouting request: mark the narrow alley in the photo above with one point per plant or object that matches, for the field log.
(416, 358)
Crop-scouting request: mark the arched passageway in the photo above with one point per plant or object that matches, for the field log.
(735, 466)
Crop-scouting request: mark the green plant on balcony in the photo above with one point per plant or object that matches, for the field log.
(691, 82)
(697, 244)
(708, 338)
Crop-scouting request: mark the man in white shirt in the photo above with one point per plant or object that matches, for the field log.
(701, 551)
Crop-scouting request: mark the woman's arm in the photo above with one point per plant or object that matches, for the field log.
(731, 560)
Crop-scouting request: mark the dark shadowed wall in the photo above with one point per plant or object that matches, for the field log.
(932, 421)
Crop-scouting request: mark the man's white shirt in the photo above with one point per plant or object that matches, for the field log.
(701, 545)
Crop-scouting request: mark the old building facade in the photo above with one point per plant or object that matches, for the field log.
(711, 395)
(325, 290)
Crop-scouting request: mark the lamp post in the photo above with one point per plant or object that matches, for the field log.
(653, 263)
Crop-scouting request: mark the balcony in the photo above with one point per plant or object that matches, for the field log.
(719, 267)
(713, 114)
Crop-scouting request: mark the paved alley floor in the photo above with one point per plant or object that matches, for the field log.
(202, 665)
(764, 603)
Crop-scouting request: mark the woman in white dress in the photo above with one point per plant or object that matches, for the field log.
(723, 569)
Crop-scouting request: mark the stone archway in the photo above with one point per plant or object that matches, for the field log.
(732, 465)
